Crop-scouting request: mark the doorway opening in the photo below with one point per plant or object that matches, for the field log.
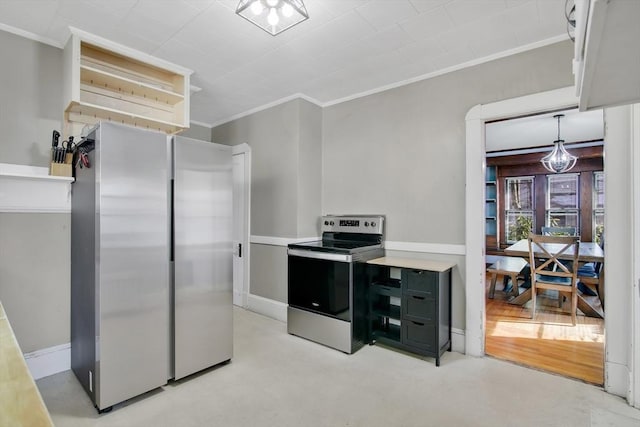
(521, 197)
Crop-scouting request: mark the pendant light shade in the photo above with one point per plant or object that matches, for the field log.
(559, 159)
(273, 16)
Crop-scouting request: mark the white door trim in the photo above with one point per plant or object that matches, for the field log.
(475, 195)
(619, 361)
(634, 395)
(246, 150)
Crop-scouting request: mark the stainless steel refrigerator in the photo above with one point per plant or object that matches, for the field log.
(151, 261)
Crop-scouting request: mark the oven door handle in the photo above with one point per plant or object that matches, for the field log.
(319, 255)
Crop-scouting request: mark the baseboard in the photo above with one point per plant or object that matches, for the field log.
(267, 307)
(617, 379)
(49, 361)
(457, 340)
(243, 298)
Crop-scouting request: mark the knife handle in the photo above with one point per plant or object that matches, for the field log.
(54, 138)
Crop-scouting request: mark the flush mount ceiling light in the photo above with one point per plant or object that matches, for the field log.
(273, 16)
(559, 159)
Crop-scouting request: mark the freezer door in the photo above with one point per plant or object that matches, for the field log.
(203, 278)
(133, 262)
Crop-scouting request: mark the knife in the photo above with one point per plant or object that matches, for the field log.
(54, 144)
(54, 139)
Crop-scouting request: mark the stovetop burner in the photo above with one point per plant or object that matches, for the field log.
(341, 246)
(347, 234)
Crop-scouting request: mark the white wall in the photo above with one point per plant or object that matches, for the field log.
(619, 213)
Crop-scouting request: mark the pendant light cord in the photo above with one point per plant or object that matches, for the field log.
(558, 116)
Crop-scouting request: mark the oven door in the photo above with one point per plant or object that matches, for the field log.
(320, 282)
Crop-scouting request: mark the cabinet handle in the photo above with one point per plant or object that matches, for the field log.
(415, 297)
(417, 323)
(418, 271)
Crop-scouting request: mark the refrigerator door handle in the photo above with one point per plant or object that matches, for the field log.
(239, 250)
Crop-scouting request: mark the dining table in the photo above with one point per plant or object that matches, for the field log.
(587, 252)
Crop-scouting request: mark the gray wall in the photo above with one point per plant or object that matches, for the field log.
(309, 169)
(285, 143)
(286, 165)
(268, 271)
(402, 152)
(34, 247)
(35, 277)
(30, 99)
(203, 133)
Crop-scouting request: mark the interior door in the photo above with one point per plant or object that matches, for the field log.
(239, 221)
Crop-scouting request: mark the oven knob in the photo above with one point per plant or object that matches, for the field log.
(373, 224)
(331, 223)
(366, 223)
(326, 223)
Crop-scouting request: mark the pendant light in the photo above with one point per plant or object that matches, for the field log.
(559, 159)
(273, 16)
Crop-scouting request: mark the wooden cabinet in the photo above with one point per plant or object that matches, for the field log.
(412, 311)
(107, 81)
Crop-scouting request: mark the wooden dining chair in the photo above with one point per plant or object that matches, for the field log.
(559, 231)
(548, 272)
(591, 275)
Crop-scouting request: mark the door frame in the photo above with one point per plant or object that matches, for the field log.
(635, 299)
(245, 149)
(618, 359)
(475, 195)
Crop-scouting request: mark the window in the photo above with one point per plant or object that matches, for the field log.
(519, 207)
(563, 201)
(598, 206)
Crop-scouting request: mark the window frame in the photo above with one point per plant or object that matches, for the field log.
(595, 210)
(531, 212)
(574, 211)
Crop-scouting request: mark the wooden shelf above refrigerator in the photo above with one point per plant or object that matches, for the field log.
(107, 81)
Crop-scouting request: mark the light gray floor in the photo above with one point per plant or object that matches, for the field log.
(276, 379)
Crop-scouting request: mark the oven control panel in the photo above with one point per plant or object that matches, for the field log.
(367, 224)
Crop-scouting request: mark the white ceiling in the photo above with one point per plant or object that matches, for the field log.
(346, 48)
(541, 130)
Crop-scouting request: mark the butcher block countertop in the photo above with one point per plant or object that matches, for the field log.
(415, 263)
(20, 402)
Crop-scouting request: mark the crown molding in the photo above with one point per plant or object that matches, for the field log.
(30, 36)
(478, 61)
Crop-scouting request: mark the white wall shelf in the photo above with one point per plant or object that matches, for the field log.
(32, 189)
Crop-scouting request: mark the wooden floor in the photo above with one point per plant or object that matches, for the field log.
(549, 342)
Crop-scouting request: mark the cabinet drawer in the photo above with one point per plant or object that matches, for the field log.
(419, 306)
(420, 281)
(419, 334)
